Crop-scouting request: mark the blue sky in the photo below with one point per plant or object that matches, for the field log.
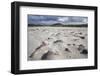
(49, 20)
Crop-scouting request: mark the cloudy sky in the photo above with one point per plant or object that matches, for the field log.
(49, 20)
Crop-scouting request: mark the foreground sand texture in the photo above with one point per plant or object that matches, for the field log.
(53, 43)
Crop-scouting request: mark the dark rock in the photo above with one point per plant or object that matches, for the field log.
(66, 49)
(43, 44)
(82, 37)
(31, 55)
(57, 41)
(81, 47)
(80, 33)
(84, 51)
(73, 44)
(44, 57)
(68, 44)
(49, 38)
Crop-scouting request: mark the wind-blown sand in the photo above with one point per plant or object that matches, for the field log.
(51, 43)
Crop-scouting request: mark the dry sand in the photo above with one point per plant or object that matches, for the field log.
(51, 43)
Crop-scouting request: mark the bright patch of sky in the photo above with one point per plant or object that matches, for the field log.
(49, 20)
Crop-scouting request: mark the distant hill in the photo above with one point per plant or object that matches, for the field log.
(59, 25)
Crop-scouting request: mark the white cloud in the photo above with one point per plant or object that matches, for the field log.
(85, 20)
(63, 19)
